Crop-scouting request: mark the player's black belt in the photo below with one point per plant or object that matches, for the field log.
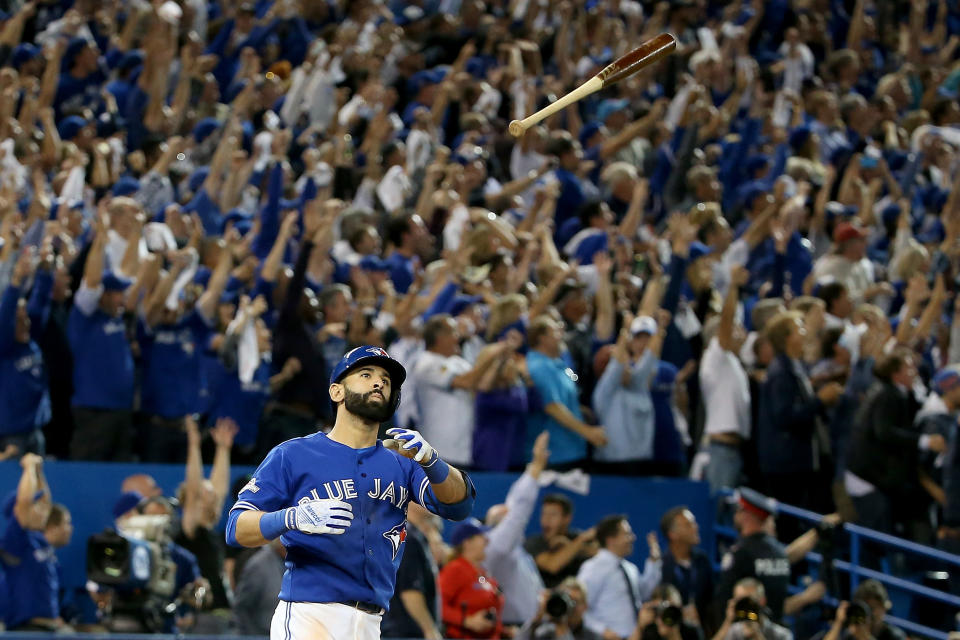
(366, 607)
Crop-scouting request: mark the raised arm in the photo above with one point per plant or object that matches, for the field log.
(207, 303)
(738, 277)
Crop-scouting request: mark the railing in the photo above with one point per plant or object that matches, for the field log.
(857, 572)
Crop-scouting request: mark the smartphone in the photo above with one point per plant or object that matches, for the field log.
(868, 162)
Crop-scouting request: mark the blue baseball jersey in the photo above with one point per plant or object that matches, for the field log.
(33, 580)
(361, 563)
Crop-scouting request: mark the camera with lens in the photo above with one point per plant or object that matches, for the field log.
(559, 605)
(746, 609)
(857, 614)
(669, 614)
(135, 563)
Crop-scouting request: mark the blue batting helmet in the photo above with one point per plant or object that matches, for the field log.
(367, 355)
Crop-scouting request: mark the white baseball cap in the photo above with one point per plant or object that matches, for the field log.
(643, 324)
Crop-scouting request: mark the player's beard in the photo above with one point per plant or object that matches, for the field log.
(362, 405)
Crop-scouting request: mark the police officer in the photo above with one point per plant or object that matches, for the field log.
(757, 554)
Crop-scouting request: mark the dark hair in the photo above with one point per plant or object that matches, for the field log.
(396, 227)
(609, 527)
(828, 343)
(588, 211)
(560, 144)
(434, 327)
(561, 501)
(58, 513)
(357, 234)
(831, 292)
(889, 363)
(666, 522)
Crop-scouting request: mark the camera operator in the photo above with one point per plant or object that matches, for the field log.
(129, 610)
(748, 617)
(661, 618)
(873, 594)
(853, 621)
(560, 615)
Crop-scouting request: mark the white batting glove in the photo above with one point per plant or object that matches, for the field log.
(327, 515)
(410, 444)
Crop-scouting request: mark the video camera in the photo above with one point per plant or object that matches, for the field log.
(135, 562)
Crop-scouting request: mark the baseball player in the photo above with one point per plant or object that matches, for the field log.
(338, 503)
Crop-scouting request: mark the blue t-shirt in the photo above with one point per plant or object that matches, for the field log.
(32, 578)
(171, 366)
(75, 94)
(102, 361)
(402, 271)
(360, 564)
(243, 402)
(555, 383)
(24, 399)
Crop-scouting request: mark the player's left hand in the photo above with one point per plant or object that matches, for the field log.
(410, 444)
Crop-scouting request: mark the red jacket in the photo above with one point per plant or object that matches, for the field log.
(466, 589)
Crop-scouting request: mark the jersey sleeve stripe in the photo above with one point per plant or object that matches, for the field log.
(243, 505)
(423, 490)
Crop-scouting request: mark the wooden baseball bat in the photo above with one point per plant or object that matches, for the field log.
(625, 66)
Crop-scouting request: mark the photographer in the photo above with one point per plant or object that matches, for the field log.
(661, 618)
(852, 622)
(748, 617)
(560, 616)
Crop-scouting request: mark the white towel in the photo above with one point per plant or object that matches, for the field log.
(72, 191)
(248, 354)
(185, 277)
(574, 480)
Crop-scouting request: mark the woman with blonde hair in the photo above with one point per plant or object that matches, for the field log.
(507, 312)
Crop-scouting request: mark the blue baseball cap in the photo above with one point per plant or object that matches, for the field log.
(611, 106)
(369, 354)
(113, 282)
(69, 127)
(946, 380)
(466, 530)
(126, 502)
(23, 53)
(204, 129)
(125, 186)
(588, 131)
(75, 46)
(799, 137)
(461, 303)
(756, 162)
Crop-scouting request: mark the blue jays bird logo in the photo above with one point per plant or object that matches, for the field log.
(377, 351)
(396, 536)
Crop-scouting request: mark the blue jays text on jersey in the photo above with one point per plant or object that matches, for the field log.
(361, 564)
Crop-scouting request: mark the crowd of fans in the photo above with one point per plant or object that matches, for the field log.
(740, 264)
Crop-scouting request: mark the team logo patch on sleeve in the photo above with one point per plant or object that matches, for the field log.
(250, 486)
(396, 536)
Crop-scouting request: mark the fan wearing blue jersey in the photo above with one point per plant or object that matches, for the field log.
(338, 503)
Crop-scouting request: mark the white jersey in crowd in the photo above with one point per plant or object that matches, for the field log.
(726, 391)
(446, 414)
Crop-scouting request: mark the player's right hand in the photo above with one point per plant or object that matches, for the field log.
(326, 515)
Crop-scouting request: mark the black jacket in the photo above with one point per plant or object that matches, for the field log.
(883, 449)
(788, 414)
